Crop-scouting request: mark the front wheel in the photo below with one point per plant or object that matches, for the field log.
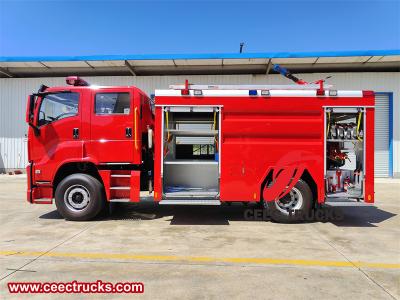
(79, 197)
(293, 206)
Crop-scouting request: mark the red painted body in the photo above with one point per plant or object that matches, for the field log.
(263, 134)
(281, 137)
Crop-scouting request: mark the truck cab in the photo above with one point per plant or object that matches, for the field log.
(87, 142)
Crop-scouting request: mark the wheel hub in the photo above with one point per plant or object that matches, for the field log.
(77, 197)
(292, 201)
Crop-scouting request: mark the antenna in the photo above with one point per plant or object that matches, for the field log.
(241, 47)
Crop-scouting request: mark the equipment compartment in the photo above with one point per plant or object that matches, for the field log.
(345, 156)
(190, 153)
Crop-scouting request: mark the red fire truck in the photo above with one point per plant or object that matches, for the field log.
(288, 147)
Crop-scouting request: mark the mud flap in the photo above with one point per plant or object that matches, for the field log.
(29, 193)
(135, 186)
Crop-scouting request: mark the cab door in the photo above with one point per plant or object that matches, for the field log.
(114, 126)
(58, 121)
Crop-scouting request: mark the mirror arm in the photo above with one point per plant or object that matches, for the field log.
(36, 129)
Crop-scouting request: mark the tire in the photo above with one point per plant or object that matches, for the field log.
(79, 197)
(299, 201)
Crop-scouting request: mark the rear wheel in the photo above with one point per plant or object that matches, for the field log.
(293, 206)
(79, 197)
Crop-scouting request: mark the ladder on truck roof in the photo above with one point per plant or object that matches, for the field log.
(318, 85)
(311, 86)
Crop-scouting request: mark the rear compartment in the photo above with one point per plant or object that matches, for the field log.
(345, 153)
(190, 163)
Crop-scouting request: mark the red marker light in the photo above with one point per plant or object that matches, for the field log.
(76, 81)
(71, 81)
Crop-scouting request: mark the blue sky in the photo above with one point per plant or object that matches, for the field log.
(54, 28)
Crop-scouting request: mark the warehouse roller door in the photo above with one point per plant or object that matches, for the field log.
(382, 136)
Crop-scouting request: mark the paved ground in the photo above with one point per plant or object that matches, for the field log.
(204, 252)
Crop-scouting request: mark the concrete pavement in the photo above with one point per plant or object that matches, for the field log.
(204, 252)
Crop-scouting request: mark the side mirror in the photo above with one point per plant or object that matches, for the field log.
(30, 105)
(149, 137)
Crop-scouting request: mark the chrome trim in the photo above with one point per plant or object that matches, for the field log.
(124, 200)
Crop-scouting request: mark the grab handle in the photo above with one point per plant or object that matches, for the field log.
(135, 127)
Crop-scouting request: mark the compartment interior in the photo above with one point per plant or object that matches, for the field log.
(344, 152)
(190, 151)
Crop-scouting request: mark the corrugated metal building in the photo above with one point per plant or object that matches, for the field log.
(368, 70)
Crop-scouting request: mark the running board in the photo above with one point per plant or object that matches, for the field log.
(191, 202)
(120, 200)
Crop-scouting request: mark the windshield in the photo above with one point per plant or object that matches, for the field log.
(58, 106)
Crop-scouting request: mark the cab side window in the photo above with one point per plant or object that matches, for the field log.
(112, 103)
(58, 106)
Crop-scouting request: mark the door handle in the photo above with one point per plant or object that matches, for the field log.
(75, 133)
(128, 132)
(136, 129)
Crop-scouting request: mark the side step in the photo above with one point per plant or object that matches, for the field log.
(191, 202)
(120, 200)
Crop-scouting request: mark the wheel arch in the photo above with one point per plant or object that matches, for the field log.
(305, 176)
(70, 168)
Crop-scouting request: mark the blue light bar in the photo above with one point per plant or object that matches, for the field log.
(252, 92)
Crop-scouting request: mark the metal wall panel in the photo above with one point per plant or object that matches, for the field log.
(382, 135)
(13, 93)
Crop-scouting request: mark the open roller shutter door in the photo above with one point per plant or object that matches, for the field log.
(381, 135)
(184, 140)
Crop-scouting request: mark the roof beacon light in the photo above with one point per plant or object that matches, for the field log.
(76, 81)
(252, 92)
